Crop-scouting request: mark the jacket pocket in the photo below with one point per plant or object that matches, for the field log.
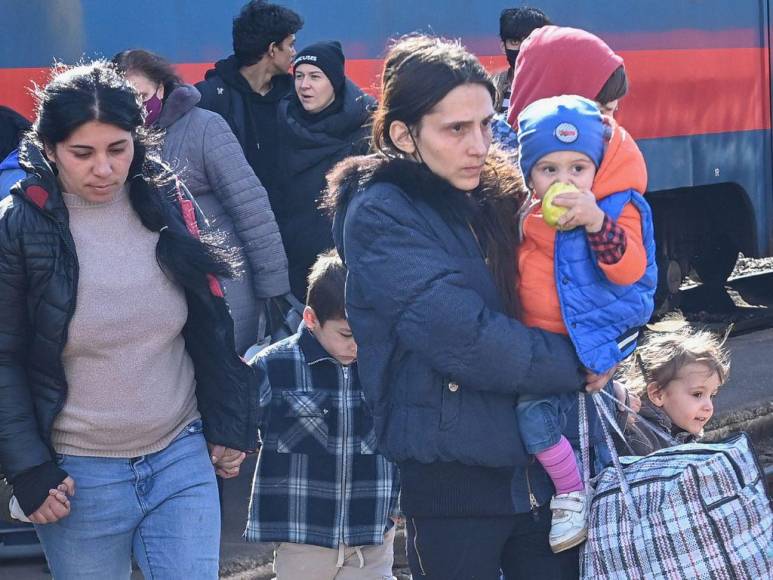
(450, 405)
(366, 430)
(303, 426)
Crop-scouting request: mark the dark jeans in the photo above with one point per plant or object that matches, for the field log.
(447, 548)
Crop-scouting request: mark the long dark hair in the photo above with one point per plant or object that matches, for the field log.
(419, 71)
(97, 92)
(155, 67)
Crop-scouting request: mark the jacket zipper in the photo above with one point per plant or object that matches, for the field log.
(76, 273)
(534, 505)
(344, 414)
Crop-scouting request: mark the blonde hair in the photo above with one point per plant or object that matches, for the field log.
(661, 357)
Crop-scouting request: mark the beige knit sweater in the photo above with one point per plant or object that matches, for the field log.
(131, 387)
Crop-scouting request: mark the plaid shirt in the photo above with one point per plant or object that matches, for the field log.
(319, 479)
(609, 242)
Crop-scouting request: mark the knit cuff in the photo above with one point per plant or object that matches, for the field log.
(31, 487)
(609, 243)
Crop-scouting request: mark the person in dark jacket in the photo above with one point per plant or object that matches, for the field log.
(323, 121)
(515, 24)
(428, 230)
(117, 357)
(12, 129)
(245, 88)
(200, 146)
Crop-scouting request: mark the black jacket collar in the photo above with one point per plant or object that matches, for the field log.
(312, 350)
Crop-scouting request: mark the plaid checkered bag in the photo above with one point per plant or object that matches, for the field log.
(686, 512)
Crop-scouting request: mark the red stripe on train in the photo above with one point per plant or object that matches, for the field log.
(688, 92)
(673, 92)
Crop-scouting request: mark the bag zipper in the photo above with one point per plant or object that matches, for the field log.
(736, 469)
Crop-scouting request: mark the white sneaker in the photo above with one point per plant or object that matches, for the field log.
(568, 528)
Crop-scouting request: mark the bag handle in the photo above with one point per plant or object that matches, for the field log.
(648, 424)
(604, 416)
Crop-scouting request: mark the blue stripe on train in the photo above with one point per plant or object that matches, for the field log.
(741, 157)
(35, 32)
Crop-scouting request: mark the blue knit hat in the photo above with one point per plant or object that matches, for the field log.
(565, 123)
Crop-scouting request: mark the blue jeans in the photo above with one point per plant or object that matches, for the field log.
(162, 507)
(542, 421)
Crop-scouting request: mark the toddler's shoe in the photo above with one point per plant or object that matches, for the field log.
(568, 528)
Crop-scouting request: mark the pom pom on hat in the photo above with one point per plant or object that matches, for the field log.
(565, 123)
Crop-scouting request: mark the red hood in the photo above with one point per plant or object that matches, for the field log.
(623, 166)
(557, 60)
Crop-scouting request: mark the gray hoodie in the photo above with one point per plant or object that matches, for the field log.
(203, 151)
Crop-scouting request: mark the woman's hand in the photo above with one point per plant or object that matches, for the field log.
(627, 398)
(596, 382)
(57, 504)
(226, 460)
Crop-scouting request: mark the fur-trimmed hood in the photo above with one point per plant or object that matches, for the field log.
(181, 100)
(492, 209)
(501, 190)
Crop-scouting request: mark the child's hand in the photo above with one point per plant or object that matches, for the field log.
(596, 382)
(226, 460)
(582, 211)
(626, 397)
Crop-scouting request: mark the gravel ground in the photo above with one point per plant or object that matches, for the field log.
(745, 266)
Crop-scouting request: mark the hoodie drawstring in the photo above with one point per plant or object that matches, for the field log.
(342, 556)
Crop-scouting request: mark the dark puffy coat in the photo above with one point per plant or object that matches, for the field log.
(308, 149)
(440, 363)
(202, 150)
(38, 283)
(251, 116)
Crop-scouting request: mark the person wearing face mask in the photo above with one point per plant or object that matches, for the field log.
(201, 147)
(323, 121)
(515, 24)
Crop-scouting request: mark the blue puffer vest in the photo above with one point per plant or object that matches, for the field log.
(603, 318)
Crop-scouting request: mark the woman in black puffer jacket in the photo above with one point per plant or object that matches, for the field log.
(117, 357)
(325, 120)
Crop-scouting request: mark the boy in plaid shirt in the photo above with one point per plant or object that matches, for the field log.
(321, 489)
(592, 276)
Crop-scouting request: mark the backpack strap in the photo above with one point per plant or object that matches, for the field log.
(188, 211)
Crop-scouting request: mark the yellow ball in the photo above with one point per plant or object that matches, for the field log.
(550, 212)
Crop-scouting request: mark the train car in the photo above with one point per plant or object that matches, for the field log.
(699, 103)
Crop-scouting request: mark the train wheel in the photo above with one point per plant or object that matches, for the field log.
(716, 260)
(667, 295)
(714, 264)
